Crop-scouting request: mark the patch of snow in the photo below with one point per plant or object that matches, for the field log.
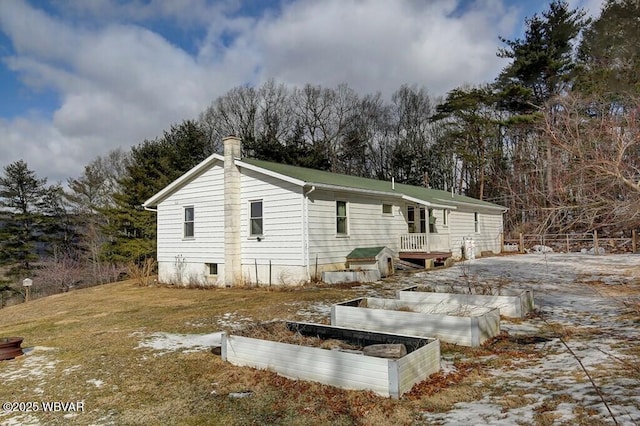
(168, 342)
(34, 365)
(233, 320)
(95, 382)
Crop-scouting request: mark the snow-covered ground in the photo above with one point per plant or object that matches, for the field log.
(576, 292)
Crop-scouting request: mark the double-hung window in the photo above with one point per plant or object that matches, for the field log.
(255, 218)
(341, 218)
(189, 219)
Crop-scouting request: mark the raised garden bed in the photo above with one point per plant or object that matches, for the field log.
(351, 276)
(512, 303)
(465, 325)
(342, 363)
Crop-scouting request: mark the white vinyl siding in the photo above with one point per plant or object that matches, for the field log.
(282, 241)
(462, 224)
(205, 194)
(367, 227)
(185, 259)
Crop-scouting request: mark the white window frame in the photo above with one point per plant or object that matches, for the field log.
(210, 267)
(252, 218)
(345, 217)
(186, 222)
(445, 218)
(390, 213)
(476, 222)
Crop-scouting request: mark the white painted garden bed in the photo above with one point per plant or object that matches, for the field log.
(512, 303)
(465, 325)
(350, 370)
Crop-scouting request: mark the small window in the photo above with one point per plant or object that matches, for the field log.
(188, 222)
(476, 223)
(341, 218)
(255, 219)
(445, 214)
(387, 209)
(213, 268)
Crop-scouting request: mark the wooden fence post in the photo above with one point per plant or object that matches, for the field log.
(595, 242)
(521, 243)
(634, 240)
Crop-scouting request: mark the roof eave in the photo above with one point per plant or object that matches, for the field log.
(176, 184)
(428, 203)
(271, 173)
(480, 206)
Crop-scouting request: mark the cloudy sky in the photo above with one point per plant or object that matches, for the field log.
(79, 78)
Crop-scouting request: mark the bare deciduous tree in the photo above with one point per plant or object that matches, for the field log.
(598, 146)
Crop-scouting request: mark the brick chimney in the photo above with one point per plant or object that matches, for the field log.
(232, 241)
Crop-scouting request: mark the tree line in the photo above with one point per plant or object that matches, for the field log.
(554, 138)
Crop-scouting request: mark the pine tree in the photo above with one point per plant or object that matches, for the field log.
(21, 194)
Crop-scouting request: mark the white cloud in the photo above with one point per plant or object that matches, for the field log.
(120, 83)
(379, 45)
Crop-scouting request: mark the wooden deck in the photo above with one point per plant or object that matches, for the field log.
(437, 255)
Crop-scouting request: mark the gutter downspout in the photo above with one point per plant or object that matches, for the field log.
(149, 209)
(305, 229)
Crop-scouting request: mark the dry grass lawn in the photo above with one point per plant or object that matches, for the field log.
(84, 347)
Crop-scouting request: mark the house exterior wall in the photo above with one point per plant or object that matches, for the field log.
(367, 226)
(299, 230)
(183, 260)
(282, 242)
(462, 225)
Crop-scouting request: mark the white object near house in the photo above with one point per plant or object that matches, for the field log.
(231, 220)
(27, 282)
(386, 377)
(465, 325)
(511, 303)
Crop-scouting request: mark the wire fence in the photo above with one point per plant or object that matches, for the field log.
(589, 242)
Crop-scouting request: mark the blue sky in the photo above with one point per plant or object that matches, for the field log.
(79, 78)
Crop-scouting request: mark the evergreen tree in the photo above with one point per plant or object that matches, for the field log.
(471, 127)
(153, 165)
(21, 195)
(609, 53)
(542, 63)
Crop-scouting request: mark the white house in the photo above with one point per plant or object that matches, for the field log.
(231, 220)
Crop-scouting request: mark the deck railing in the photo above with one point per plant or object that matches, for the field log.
(425, 243)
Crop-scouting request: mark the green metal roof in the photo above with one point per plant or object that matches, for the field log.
(365, 253)
(321, 177)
